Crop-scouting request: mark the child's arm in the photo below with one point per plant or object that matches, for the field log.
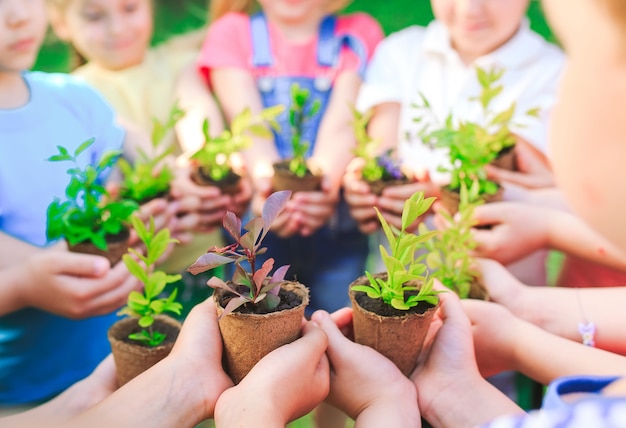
(67, 284)
(560, 310)
(506, 342)
(532, 227)
(13, 251)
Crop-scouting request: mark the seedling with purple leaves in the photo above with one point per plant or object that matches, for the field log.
(253, 286)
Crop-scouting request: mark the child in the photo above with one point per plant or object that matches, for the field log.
(247, 60)
(44, 347)
(439, 61)
(141, 82)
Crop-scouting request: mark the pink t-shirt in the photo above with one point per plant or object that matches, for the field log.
(577, 272)
(228, 44)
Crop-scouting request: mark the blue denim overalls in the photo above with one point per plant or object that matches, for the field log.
(335, 255)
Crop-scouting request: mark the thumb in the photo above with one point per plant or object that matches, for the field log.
(336, 340)
(488, 214)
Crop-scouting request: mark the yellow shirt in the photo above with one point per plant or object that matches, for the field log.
(145, 91)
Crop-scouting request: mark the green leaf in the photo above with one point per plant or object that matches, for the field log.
(84, 147)
(146, 321)
(135, 268)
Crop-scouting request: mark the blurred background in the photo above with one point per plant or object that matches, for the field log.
(179, 16)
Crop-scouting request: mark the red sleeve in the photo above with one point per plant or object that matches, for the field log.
(227, 44)
(365, 28)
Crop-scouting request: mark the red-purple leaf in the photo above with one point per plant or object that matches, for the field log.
(208, 261)
(241, 277)
(261, 274)
(216, 283)
(232, 224)
(273, 205)
(279, 275)
(254, 228)
(233, 304)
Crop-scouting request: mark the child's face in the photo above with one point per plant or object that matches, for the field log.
(478, 27)
(112, 33)
(293, 11)
(588, 127)
(22, 30)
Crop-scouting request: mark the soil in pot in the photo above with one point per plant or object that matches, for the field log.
(451, 198)
(117, 246)
(133, 358)
(249, 336)
(506, 159)
(284, 179)
(398, 335)
(230, 185)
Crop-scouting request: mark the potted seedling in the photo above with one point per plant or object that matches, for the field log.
(393, 309)
(146, 336)
(89, 220)
(258, 312)
(212, 163)
(449, 258)
(150, 176)
(379, 170)
(471, 146)
(295, 174)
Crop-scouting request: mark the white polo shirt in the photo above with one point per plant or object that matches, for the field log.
(421, 59)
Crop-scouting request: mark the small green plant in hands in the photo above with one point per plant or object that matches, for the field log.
(383, 167)
(253, 286)
(404, 268)
(472, 146)
(149, 176)
(214, 157)
(88, 214)
(449, 257)
(299, 113)
(148, 305)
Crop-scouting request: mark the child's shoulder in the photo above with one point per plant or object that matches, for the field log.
(357, 19)
(231, 20)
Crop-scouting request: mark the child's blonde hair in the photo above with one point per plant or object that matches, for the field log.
(220, 8)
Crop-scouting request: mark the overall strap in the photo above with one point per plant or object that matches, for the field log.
(261, 50)
(330, 45)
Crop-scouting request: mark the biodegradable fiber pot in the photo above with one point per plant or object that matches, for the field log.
(506, 159)
(131, 357)
(284, 179)
(248, 337)
(117, 246)
(451, 199)
(399, 337)
(230, 185)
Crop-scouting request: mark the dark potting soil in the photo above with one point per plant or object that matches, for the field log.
(120, 237)
(170, 331)
(201, 177)
(288, 300)
(381, 308)
(282, 167)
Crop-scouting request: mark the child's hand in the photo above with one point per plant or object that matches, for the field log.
(534, 169)
(360, 198)
(502, 286)
(75, 285)
(286, 384)
(240, 202)
(494, 330)
(391, 202)
(363, 383)
(312, 210)
(517, 229)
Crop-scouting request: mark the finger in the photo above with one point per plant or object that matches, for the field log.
(368, 227)
(77, 264)
(187, 204)
(490, 214)
(343, 320)
(338, 345)
(391, 205)
(186, 222)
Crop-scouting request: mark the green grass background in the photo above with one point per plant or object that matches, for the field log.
(173, 17)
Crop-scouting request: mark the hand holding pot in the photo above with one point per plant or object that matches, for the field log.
(363, 383)
(72, 285)
(533, 168)
(360, 197)
(312, 210)
(285, 385)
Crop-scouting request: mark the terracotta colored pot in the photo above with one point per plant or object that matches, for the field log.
(378, 186)
(230, 185)
(399, 337)
(117, 246)
(506, 159)
(248, 337)
(284, 179)
(451, 199)
(131, 357)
